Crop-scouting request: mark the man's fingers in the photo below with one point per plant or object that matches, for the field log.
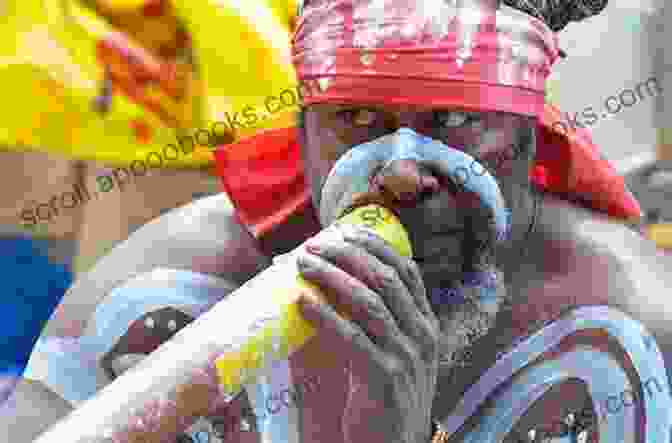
(400, 285)
(367, 308)
(407, 269)
(379, 277)
(325, 318)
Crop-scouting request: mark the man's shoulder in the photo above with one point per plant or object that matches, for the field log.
(630, 266)
(203, 236)
(637, 256)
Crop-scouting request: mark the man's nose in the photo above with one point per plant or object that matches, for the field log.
(404, 180)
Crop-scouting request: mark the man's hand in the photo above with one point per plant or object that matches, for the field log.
(391, 339)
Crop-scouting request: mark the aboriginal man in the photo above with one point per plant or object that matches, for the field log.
(380, 73)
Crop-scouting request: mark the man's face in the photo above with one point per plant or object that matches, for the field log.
(442, 228)
(446, 232)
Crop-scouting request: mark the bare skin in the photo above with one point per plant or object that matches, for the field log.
(569, 247)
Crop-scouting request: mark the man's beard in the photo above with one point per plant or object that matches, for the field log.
(467, 306)
(475, 310)
(464, 322)
(464, 285)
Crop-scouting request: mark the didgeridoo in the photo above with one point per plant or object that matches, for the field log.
(207, 363)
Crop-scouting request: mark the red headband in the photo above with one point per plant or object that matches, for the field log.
(454, 53)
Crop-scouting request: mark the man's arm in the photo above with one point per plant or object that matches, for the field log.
(203, 236)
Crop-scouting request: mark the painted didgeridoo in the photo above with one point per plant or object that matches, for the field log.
(207, 363)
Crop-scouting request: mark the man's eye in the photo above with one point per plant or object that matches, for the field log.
(456, 119)
(358, 117)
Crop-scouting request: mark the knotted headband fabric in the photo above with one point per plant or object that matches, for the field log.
(464, 54)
